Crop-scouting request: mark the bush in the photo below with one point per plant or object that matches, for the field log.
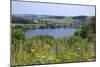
(18, 34)
(87, 29)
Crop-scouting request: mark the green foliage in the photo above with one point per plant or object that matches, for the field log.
(88, 30)
(18, 34)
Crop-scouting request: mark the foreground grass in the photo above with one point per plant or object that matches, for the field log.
(47, 50)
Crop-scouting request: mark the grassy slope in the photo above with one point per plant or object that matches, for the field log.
(65, 20)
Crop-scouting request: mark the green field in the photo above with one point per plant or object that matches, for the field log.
(28, 25)
(65, 20)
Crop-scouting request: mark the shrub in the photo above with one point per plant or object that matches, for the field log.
(18, 34)
(88, 29)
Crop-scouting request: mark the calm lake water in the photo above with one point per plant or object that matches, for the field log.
(56, 33)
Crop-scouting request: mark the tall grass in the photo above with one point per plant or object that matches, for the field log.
(46, 49)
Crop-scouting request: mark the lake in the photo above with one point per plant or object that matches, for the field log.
(56, 33)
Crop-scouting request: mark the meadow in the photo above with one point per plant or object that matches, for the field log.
(46, 49)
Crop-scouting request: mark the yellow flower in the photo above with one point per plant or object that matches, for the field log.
(33, 50)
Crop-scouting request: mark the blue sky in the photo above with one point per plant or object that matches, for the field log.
(51, 9)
